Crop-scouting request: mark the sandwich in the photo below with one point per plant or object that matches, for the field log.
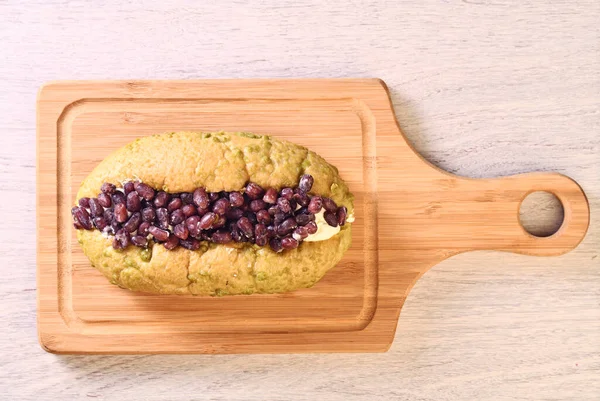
(213, 214)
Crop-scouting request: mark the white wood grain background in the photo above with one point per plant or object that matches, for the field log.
(481, 87)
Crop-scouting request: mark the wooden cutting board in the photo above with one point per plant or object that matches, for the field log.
(409, 216)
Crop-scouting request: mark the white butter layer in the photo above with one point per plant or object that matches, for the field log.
(324, 230)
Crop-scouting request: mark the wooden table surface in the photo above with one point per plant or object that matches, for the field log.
(482, 88)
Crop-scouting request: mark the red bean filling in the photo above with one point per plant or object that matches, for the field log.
(280, 219)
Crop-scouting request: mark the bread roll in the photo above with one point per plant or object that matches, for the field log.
(183, 161)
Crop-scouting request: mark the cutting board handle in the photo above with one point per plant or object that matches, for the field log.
(489, 214)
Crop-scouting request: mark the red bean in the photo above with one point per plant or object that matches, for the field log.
(100, 223)
(108, 188)
(208, 220)
(128, 187)
(221, 206)
(109, 215)
(236, 234)
(275, 245)
(293, 205)
(177, 217)
(278, 218)
(303, 219)
(260, 235)
(139, 240)
(175, 204)
(96, 208)
(270, 196)
(144, 190)
(181, 231)
(306, 182)
(193, 225)
(302, 199)
(118, 197)
(300, 233)
(257, 205)
(104, 200)
(329, 205)
(120, 213)
(143, 228)
(271, 232)
(311, 227)
(76, 224)
(148, 214)
(341, 214)
(171, 243)
(236, 199)
(123, 237)
(221, 237)
(201, 199)
(246, 227)
(191, 244)
(189, 210)
(133, 223)
(254, 191)
(187, 198)
(117, 244)
(289, 243)
(284, 205)
(84, 202)
(302, 210)
(273, 210)
(287, 226)
(158, 234)
(331, 218)
(234, 213)
(161, 199)
(287, 193)
(162, 216)
(221, 221)
(315, 204)
(114, 227)
(133, 202)
(213, 196)
(260, 230)
(262, 216)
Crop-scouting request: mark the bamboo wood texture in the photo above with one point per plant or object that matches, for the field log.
(409, 216)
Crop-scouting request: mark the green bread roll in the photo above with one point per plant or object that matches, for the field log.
(183, 161)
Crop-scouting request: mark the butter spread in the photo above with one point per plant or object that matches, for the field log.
(324, 230)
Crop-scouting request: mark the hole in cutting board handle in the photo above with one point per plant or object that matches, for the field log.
(541, 214)
(552, 214)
